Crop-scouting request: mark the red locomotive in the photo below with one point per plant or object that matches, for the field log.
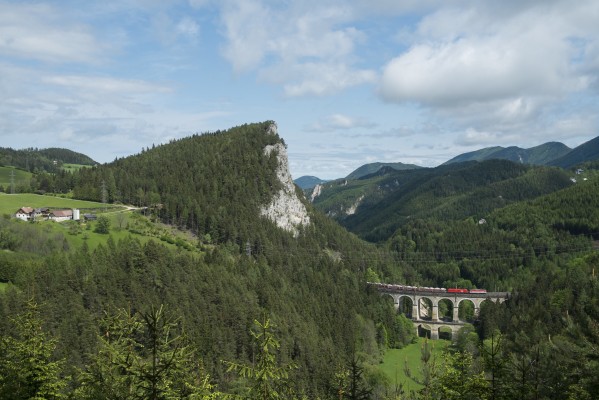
(456, 290)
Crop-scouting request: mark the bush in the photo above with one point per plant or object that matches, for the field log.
(102, 225)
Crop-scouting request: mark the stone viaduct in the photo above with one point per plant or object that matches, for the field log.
(426, 316)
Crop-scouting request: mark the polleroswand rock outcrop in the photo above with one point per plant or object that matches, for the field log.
(285, 210)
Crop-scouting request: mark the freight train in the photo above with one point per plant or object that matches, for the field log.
(406, 288)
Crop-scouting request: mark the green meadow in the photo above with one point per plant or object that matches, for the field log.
(20, 176)
(395, 361)
(10, 203)
(74, 167)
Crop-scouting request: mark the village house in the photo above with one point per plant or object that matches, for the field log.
(44, 213)
(60, 215)
(24, 213)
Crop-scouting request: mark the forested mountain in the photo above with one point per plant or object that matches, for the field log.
(48, 160)
(539, 155)
(372, 168)
(256, 310)
(379, 205)
(588, 151)
(308, 182)
(311, 286)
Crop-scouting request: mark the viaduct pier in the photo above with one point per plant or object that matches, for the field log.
(425, 305)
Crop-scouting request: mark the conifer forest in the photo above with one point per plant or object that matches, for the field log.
(232, 306)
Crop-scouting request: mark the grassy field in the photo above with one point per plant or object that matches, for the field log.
(3, 287)
(74, 167)
(123, 223)
(92, 238)
(10, 203)
(395, 360)
(20, 176)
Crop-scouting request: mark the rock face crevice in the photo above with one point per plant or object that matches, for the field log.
(285, 210)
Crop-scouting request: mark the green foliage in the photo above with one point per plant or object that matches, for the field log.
(446, 193)
(27, 367)
(378, 167)
(241, 266)
(398, 362)
(356, 387)
(10, 204)
(21, 178)
(102, 225)
(41, 159)
(544, 154)
(428, 371)
(266, 378)
(143, 356)
(211, 184)
(588, 151)
(460, 379)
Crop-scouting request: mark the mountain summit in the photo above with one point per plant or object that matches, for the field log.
(538, 155)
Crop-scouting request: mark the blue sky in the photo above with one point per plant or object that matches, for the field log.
(348, 82)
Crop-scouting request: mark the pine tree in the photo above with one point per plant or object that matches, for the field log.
(144, 356)
(27, 369)
(267, 379)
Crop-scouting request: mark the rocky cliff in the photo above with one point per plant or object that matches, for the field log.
(286, 210)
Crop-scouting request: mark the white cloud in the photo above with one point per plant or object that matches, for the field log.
(307, 47)
(316, 78)
(473, 54)
(337, 122)
(247, 32)
(511, 74)
(478, 69)
(38, 32)
(105, 84)
(188, 27)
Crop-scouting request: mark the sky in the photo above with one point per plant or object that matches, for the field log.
(348, 82)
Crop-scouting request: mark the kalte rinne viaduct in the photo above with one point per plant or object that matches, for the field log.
(426, 317)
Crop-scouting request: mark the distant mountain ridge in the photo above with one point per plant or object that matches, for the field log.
(376, 206)
(308, 182)
(543, 154)
(372, 168)
(588, 151)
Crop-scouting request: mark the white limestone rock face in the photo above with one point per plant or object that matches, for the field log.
(285, 210)
(316, 192)
(352, 210)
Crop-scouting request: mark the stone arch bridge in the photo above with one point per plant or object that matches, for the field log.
(426, 317)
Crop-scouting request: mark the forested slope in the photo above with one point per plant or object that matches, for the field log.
(244, 268)
(449, 192)
(536, 241)
(48, 160)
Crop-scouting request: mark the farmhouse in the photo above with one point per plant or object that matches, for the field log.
(24, 213)
(44, 213)
(60, 215)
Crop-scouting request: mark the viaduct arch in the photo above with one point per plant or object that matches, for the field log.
(423, 318)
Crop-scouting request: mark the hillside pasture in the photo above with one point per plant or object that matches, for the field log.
(10, 203)
(395, 361)
(21, 176)
(74, 167)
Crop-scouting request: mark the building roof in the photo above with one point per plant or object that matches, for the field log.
(25, 210)
(62, 213)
